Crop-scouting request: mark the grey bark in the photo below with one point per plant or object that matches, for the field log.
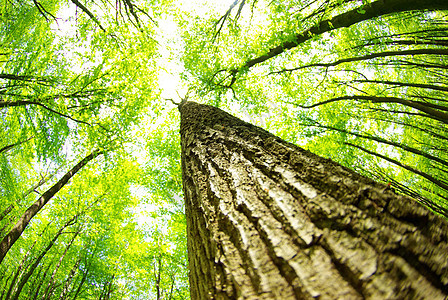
(269, 220)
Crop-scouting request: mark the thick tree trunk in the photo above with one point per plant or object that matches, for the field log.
(269, 220)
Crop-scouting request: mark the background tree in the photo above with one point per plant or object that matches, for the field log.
(64, 88)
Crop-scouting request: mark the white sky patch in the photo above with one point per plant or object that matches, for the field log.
(170, 50)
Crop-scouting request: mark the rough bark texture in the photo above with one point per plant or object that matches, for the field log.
(269, 220)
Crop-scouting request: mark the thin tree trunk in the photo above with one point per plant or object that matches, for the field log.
(42, 181)
(32, 268)
(269, 220)
(41, 282)
(36, 281)
(69, 280)
(49, 290)
(5, 285)
(109, 288)
(9, 147)
(19, 269)
(17, 230)
(5, 212)
(83, 280)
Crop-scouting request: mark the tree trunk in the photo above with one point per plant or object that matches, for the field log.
(20, 226)
(41, 182)
(32, 268)
(269, 220)
(65, 289)
(39, 285)
(50, 287)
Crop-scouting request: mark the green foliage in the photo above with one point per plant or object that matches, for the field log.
(76, 83)
(66, 88)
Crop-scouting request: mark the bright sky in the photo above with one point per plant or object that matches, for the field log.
(168, 37)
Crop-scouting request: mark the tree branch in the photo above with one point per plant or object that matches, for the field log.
(43, 11)
(9, 147)
(417, 85)
(370, 11)
(84, 9)
(25, 102)
(409, 168)
(431, 109)
(370, 56)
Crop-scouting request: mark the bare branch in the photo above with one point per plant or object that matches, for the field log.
(370, 56)
(25, 102)
(84, 9)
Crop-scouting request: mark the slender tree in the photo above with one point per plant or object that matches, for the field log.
(17, 230)
(269, 220)
(36, 262)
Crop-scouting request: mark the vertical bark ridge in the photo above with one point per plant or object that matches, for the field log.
(264, 268)
(269, 220)
(280, 245)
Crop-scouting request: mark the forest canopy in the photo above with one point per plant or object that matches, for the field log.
(90, 177)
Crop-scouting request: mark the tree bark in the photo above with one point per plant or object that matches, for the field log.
(269, 220)
(17, 230)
